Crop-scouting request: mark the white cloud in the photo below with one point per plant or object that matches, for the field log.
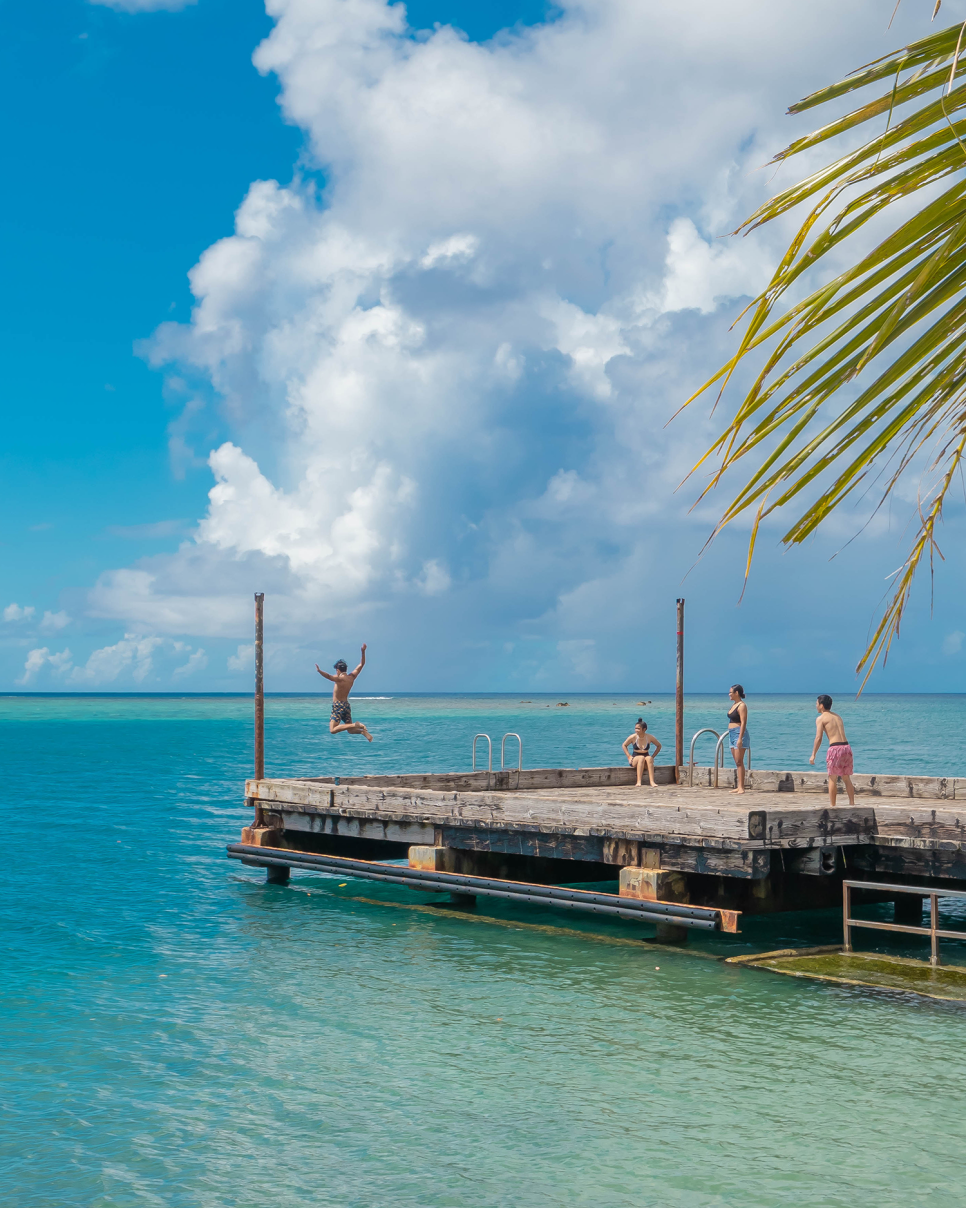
(953, 642)
(435, 578)
(450, 251)
(701, 273)
(13, 612)
(133, 653)
(243, 659)
(54, 621)
(446, 380)
(196, 662)
(36, 659)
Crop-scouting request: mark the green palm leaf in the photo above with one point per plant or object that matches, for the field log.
(892, 326)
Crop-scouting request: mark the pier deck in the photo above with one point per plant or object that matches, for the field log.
(779, 846)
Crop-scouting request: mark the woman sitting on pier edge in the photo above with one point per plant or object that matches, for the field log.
(738, 735)
(640, 758)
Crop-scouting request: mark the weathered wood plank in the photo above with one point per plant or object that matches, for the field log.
(414, 833)
(936, 788)
(786, 824)
(516, 843)
(502, 781)
(752, 865)
(911, 862)
(916, 822)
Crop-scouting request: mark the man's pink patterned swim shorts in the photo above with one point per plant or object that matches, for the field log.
(838, 759)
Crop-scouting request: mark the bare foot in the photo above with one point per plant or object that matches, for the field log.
(736, 790)
(367, 734)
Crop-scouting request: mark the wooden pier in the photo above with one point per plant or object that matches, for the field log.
(777, 847)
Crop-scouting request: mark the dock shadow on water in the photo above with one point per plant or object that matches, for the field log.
(178, 1033)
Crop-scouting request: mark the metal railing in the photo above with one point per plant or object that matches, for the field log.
(706, 730)
(933, 930)
(511, 734)
(489, 765)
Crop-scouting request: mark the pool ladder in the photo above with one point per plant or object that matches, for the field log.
(718, 754)
(489, 765)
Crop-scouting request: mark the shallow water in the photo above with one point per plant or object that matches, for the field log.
(178, 1033)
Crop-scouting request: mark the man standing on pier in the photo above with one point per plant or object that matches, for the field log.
(340, 720)
(838, 757)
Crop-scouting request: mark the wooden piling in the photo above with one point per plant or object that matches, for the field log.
(679, 693)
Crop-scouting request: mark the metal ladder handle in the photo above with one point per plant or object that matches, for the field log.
(489, 744)
(706, 730)
(719, 750)
(511, 734)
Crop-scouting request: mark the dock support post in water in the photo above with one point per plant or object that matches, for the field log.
(277, 874)
(441, 859)
(679, 696)
(657, 885)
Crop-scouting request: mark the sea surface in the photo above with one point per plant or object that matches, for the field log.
(176, 1032)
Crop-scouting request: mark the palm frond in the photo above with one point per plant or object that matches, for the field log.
(894, 320)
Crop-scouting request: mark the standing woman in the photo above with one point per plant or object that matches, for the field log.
(738, 735)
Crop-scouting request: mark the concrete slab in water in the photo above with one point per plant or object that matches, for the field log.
(863, 969)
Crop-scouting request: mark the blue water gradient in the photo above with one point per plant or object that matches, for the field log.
(178, 1033)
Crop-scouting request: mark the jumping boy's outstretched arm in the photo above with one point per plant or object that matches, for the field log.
(819, 731)
(362, 661)
(324, 674)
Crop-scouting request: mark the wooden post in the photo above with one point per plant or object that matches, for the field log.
(259, 687)
(679, 694)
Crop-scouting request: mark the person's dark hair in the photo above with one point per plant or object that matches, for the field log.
(642, 722)
(341, 665)
(825, 701)
(738, 688)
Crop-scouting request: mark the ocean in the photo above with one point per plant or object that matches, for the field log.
(177, 1033)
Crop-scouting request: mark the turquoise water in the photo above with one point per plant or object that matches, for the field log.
(178, 1033)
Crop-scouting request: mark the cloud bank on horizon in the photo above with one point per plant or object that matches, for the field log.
(446, 352)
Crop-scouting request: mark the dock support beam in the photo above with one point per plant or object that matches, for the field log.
(679, 694)
(657, 885)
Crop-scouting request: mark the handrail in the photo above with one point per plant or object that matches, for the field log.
(719, 750)
(706, 730)
(932, 930)
(489, 767)
(511, 734)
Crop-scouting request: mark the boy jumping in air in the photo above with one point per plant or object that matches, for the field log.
(340, 719)
(838, 757)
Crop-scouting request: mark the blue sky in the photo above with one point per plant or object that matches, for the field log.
(446, 290)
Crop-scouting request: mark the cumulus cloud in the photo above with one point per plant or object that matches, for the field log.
(133, 653)
(243, 659)
(447, 377)
(54, 621)
(37, 659)
(196, 662)
(14, 612)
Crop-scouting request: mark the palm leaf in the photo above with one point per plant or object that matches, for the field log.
(893, 322)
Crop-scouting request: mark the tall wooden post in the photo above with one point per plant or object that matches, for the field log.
(259, 687)
(679, 694)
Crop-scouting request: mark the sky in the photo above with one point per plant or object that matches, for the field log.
(386, 311)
